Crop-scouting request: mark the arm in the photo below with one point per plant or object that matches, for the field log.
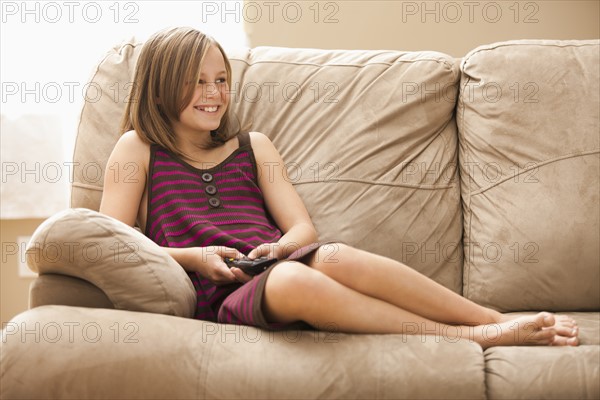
(284, 204)
(124, 188)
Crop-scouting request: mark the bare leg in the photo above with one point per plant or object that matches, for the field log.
(395, 283)
(295, 292)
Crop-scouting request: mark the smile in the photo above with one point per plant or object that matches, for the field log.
(208, 109)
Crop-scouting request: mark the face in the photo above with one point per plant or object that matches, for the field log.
(211, 96)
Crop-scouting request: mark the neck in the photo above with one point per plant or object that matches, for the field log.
(191, 142)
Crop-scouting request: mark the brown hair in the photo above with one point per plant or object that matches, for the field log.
(168, 60)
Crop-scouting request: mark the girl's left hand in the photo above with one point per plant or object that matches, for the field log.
(269, 250)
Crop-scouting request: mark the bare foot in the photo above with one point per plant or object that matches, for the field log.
(543, 329)
(565, 326)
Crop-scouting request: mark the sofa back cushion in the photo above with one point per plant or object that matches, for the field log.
(99, 123)
(528, 117)
(368, 137)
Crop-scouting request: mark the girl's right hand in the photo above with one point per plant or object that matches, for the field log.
(208, 261)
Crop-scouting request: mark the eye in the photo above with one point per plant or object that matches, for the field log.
(221, 80)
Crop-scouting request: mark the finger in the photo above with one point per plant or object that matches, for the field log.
(240, 275)
(224, 275)
(229, 252)
(254, 253)
(260, 251)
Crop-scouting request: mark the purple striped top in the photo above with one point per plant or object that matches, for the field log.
(219, 206)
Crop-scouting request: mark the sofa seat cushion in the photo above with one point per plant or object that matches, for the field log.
(529, 116)
(133, 272)
(100, 353)
(548, 372)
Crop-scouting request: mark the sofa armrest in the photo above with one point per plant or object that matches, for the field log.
(55, 289)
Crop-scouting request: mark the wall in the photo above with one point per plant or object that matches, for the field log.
(14, 290)
(452, 27)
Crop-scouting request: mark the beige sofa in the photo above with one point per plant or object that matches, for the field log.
(482, 173)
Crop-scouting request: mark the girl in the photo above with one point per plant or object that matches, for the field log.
(206, 192)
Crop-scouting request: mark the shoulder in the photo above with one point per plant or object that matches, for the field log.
(131, 143)
(259, 138)
(265, 153)
(131, 148)
(261, 144)
(132, 140)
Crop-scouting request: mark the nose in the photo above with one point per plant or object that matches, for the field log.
(210, 91)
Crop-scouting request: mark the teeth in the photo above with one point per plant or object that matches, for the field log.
(208, 109)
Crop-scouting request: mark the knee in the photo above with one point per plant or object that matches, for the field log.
(288, 288)
(292, 281)
(288, 277)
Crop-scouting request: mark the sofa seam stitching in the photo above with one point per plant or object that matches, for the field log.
(467, 202)
(537, 165)
(445, 63)
(376, 183)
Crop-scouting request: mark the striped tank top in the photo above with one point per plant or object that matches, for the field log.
(219, 206)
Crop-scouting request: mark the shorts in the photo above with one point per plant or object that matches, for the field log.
(241, 304)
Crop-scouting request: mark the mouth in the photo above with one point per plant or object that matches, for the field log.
(208, 109)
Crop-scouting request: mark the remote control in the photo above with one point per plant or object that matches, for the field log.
(250, 267)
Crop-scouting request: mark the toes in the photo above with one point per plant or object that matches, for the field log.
(567, 331)
(566, 326)
(544, 320)
(574, 341)
(565, 341)
(559, 341)
(565, 321)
